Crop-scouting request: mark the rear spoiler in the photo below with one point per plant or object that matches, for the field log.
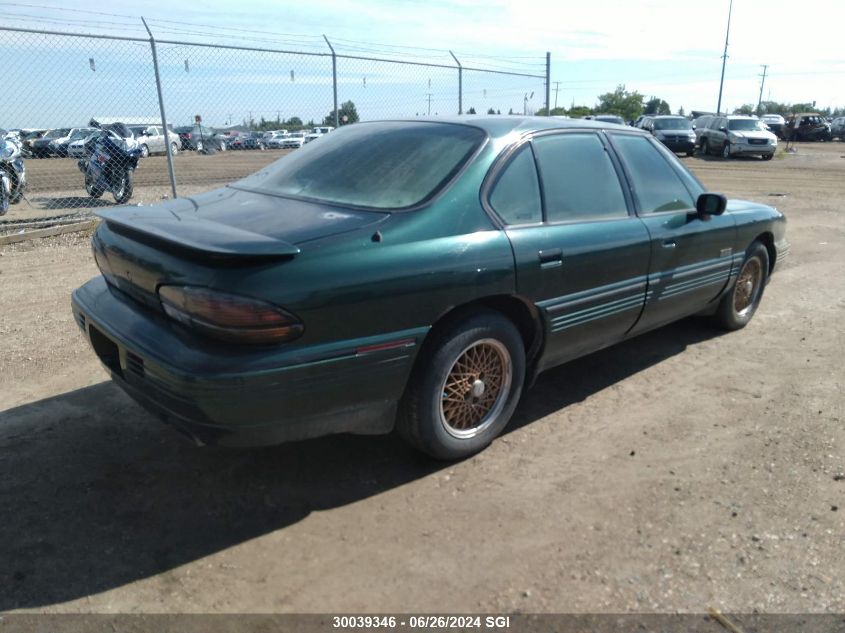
(195, 234)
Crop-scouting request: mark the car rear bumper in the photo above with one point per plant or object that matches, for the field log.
(219, 394)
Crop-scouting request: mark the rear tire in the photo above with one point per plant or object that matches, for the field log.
(739, 304)
(464, 388)
(173, 149)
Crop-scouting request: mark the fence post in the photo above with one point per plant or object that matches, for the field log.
(460, 84)
(334, 82)
(548, 83)
(161, 111)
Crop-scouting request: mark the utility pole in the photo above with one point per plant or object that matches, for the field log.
(724, 58)
(762, 83)
(557, 87)
(429, 103)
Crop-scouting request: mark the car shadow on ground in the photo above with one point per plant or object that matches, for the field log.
(96, 495)
(710, 158)
(70, 202)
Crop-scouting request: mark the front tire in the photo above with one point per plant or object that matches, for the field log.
(4, 200)
(145, 151)
(464, 387)
(123, 188)
(740, 303)
(173, 149)
(705, 147)
(726, 150)
(92, 190)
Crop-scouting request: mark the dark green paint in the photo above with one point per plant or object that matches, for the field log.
(352, 289)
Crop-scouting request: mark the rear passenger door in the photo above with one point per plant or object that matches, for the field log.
(691, 258)
(581, 255)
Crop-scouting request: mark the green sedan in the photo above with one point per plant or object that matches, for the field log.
(412, 275)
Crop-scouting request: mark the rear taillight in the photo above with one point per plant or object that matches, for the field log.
(229, 317)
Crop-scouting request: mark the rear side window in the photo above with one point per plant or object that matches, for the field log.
(656, 185)
(579, 180)
(516, 194)
(374, 165)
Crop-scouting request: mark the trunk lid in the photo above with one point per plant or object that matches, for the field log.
(233, 223)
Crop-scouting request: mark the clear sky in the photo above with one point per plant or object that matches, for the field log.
(670, 49)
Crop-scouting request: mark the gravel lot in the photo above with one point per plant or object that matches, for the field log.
(681, 470)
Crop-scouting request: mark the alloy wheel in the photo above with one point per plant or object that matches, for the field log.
(747, 286)
(476, 388)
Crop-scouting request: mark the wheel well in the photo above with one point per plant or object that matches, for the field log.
(522, 313)
(768, 241)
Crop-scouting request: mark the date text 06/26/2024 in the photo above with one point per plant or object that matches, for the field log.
(421, 622)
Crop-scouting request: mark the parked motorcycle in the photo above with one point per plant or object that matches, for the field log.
(109, 164)
(12, 171)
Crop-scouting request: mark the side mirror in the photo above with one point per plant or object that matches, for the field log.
(693, 126)
(711, 204)
(723, 129)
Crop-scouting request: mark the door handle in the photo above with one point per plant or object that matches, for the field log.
(550, 258)
(669, 244)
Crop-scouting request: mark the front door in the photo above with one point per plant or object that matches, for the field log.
(691, 257)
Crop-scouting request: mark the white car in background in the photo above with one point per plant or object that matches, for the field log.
(294, 140)
(76, 149)
(317, 132)
(275, 140)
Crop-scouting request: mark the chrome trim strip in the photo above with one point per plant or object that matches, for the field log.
(602, 292)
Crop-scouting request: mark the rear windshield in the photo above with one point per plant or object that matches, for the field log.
(672, 124)
(57, 133)
(745, 125)
(375, 165)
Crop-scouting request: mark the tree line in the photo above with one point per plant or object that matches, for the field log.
(622, 102)
(347, 113)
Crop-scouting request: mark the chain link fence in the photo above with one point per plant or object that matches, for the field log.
(104, 120)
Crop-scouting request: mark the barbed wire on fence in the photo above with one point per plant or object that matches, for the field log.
(187, 107)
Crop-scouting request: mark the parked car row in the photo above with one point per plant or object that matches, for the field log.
(69, 141)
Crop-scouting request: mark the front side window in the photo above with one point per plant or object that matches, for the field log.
(516, 194)
(579, 180)
(656, 185)
(375, 165)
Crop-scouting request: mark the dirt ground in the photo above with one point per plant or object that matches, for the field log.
(681, 470)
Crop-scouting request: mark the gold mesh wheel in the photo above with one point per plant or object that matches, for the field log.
(747, 287)
(476, 388)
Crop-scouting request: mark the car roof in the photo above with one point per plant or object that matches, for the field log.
(668, 116)
(742, 116)
(500, 125)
